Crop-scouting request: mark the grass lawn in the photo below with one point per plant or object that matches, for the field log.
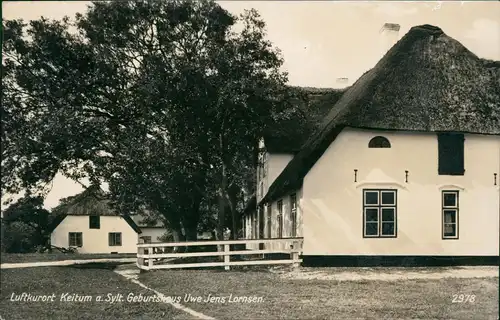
(327, 299)
(38, 257)
(83, 281)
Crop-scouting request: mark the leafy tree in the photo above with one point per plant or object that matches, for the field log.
(164, 100)
(26, 225)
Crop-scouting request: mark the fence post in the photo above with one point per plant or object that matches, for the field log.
(295, 254)
(150, 258)
(226, 256)
(140, 261)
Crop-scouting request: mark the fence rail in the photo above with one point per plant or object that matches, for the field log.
(150, 255)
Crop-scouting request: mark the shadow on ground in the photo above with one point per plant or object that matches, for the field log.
(97, 265)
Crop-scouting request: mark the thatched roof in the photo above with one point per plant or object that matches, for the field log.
(427, 82)
(295, 125)
(92, 201)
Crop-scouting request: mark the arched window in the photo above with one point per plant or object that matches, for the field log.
(379, 142)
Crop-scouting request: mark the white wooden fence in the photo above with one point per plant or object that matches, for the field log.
(151, 257)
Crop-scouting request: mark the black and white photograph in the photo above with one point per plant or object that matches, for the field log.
(220, 160)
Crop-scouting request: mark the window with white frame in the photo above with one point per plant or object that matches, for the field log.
(259, 166)
(269, 220)
(254, 226)
(450, 214)
(115, 239)
(75, 239)
(293, 214)
(264, 165)
(280, 218)
(379, 213)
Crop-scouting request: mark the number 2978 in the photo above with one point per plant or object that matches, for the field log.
(463, 298)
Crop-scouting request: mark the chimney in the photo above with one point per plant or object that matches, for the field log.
(389, 35)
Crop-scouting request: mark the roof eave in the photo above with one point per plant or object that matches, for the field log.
(131, 223)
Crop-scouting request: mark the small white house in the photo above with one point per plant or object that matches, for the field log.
(88, 223)
(404, 170)
(150, 232)
(94, 233)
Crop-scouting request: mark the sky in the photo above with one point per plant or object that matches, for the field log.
(322, 41)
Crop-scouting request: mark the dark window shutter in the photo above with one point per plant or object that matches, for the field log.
(451, 154)
(94, 222)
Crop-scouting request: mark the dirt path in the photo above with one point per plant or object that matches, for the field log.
(63, 263)
(131, 273)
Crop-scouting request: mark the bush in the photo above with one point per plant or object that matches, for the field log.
(18, 237)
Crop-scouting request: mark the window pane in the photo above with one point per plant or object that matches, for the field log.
(75, 239)
(449, 199)
(450, 216)
(379, 142)
(371, 197)
(450, 230)
(280, 227)
(371, 229)
(387, 228)
(293, 201)
(388, 197)
(371, 214)
(387, 214)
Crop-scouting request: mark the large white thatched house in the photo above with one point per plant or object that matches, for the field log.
(404, 169)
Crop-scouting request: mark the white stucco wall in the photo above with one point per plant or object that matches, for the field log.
(332, 201)
(277, 162)
(95, 240)
(274, 166)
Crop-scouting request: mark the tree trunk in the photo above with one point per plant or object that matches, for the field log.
(222, 208)
(191, 233)
(178, 236)
(219, 234)
(232, 196)
(192, 219)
